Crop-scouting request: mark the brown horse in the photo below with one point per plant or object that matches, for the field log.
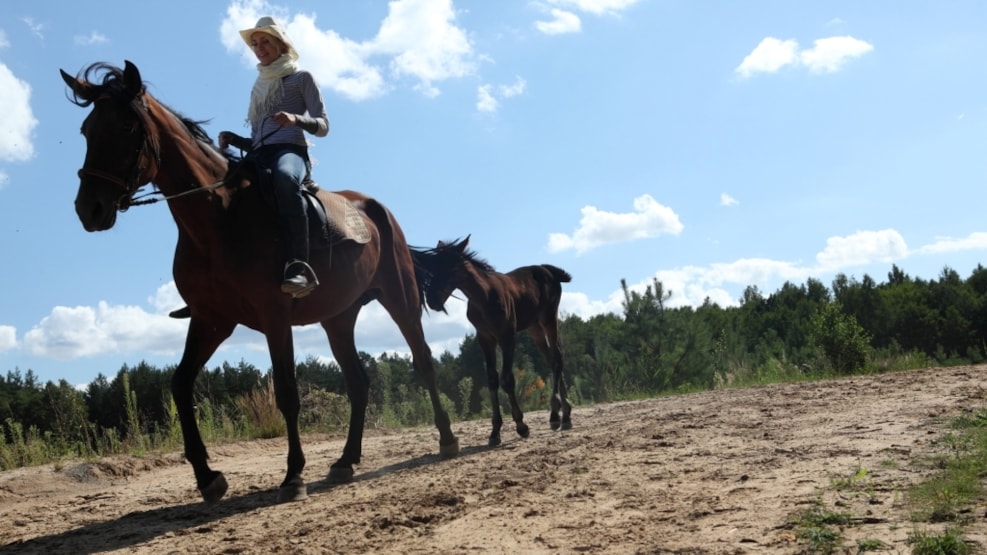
(499, 307)
(227, 263)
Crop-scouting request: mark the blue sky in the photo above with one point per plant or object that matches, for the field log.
(711, 145)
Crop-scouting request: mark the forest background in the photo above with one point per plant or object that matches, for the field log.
(799, 332)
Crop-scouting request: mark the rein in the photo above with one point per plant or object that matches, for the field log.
(143, 199)
(130, 197)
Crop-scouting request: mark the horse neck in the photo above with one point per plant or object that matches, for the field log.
(184, 163)
(474, 281)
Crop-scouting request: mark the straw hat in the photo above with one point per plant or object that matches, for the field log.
(267, 25)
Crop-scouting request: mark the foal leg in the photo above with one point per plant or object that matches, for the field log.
(547, 340)
(201, 342)
(339, 330)
(280, 343)
(507, 382)
(489, 348)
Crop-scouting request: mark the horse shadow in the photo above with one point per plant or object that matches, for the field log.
(137, 527)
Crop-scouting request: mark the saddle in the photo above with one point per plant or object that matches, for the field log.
(332, 218)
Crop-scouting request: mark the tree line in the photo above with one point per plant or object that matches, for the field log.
(797, 332)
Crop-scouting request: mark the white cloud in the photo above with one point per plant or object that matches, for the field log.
(579, 304)
(36, 28)
(417, 39)
(691, 285)
(17, 120)
(424, 41)
(515, 89)
(597, 227)
(827, 55)
(94, 37)
(485, 102)
(486, 98)
(4, 179)
(8, 338)
(68, 333)
(830, 54)
(4, 43)
(863, 247)
(727, 200)
(974, 241)
(769, 56)
(166, 298)
(596, 7)
(562, 22)
(377, 333)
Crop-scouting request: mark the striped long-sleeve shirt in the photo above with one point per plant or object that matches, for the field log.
(303, 98)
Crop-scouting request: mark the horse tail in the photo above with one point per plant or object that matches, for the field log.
(423, 272)
(558, 274)
(392, 239)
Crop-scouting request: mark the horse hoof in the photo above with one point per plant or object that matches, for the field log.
(292, 490)
(340, 474)
(566, 424)
(523, 430)
(449, 450)
(494, 441)
(555, 424)
(215, 491)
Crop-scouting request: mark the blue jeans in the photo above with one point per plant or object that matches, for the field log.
(289, 167)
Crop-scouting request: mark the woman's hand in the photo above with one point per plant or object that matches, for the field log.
(225, 137)
(284, 118)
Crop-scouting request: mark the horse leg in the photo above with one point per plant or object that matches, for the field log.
(421, 359)
(489, 348)
(406, 313)
(281, 346)
(339, 330)
(550, 349)
(507, 382)
(201, 342)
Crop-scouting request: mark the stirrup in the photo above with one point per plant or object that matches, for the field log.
(299, 285)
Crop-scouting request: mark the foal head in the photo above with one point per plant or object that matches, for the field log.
(448, 270)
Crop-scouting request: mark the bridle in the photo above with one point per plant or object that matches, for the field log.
(129, 186)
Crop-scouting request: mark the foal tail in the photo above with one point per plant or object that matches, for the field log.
(558, 274)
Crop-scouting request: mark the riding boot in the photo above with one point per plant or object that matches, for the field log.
(299, 278)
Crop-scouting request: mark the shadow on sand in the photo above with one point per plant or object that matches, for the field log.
(138, 527)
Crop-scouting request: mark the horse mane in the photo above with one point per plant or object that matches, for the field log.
(107, 79)
(469, 255)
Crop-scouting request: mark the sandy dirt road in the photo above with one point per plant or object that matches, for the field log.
(715, 472)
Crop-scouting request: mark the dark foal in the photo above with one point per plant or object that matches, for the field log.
(499, 307)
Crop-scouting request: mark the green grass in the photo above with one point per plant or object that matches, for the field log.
(949, 542)
(945, 496)
(815, 527)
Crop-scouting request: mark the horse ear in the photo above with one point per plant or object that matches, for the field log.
(132, 78)
(465, 242)
(80, 88)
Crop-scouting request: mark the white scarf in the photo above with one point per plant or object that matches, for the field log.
(268, 90)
